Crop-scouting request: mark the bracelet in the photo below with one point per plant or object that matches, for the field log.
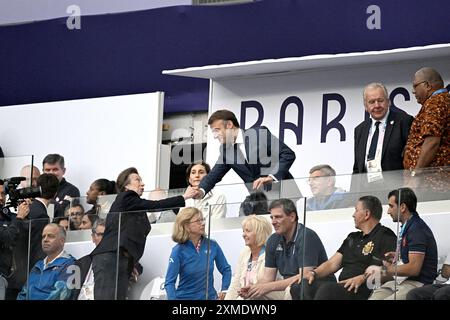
(314, 273)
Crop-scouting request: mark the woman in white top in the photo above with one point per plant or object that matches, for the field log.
(216, 200)
(250, 267)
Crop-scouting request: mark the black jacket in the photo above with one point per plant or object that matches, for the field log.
(33, 226)
(134, 224)
(395, 137)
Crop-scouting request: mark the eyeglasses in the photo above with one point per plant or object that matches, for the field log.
(415, 85)
(201, 220)
(99, 234)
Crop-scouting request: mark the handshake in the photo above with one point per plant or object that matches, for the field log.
(193, 193)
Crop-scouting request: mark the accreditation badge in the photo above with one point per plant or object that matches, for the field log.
(374, 168)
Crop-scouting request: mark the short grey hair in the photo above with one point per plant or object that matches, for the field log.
(325, 169)
(376, 85)
(61, 231)
(98, 222)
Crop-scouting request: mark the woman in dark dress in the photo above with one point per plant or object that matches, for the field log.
(127, 227)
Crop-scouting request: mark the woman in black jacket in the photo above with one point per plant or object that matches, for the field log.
(127, 227)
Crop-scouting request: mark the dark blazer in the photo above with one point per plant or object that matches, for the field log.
(260, 145)
(134, 224)
(84, 263)
(395, 137)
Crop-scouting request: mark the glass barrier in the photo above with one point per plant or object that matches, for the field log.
(327, 227)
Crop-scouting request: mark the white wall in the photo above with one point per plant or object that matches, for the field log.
(310, 85)
(98, 137)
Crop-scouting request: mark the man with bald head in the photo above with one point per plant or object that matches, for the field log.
(429, 142)
(31, 176)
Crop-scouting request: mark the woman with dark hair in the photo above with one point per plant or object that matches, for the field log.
(100, 187)
(213, 200)
(127, 227)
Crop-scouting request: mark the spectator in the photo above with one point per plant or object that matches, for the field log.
(9, 233)
(381, 138)
(100, 187)
(54, 164)
(30, 175)
(250, 267)
(88, 220)
(416, 249)
(48, 278)
(358, 251)
(284, 253)
(255, 203)
(429, 139)
(98, 230)
(129, 212)
(188, 260)
(28, 250)
(213, 200)
(438, 291)
(326, 196)
(75, 215)
(86, 292)
(62, 222)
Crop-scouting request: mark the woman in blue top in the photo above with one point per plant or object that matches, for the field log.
(188, 260)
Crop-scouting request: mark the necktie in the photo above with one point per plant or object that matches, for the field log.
(374, 142)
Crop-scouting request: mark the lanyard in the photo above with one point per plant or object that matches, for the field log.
(439, 91)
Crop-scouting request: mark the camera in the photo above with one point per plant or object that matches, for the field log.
(16, 195)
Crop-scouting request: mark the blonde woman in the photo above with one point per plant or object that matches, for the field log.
(250, 267)
(188, 260)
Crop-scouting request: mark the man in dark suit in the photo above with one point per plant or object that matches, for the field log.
(28, 250)
(257, 156)
(394, 126)
(379, 140)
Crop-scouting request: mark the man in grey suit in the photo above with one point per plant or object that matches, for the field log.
(379, 140)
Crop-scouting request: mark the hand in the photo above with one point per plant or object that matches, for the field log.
(243, 292)
(190, 192)
(311, 277)
(354, 283)
(372, 273)
(221, 295)
(200, 194)
(257, 290)
(390, 256)
(258, 183)
(23, 209)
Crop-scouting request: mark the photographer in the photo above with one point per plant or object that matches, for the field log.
(28, 249)
(9, 232)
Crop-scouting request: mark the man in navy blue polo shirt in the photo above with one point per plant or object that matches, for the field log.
(417, 247)
(284, 253)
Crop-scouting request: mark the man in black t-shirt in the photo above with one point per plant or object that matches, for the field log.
(358, 251)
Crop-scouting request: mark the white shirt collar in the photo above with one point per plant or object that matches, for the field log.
(240, 137)
(47, 263)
